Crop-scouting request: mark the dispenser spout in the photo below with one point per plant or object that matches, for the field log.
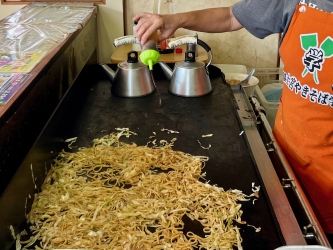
(150, 65)
(150, 57)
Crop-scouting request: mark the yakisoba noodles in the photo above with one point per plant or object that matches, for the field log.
(123, 196)
(233, 81)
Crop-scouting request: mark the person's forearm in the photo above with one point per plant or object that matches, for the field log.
(212, 20)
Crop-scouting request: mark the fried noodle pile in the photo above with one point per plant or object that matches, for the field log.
(123, 196)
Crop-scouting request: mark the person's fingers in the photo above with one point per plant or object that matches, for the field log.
(168, 28)
(164, 34)
(141, 15)
(148, 24)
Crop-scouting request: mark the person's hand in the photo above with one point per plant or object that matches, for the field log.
(150, 23)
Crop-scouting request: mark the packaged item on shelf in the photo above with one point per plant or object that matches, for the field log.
(19, 62)
(10, 83)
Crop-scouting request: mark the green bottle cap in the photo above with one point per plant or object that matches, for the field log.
(149, 57)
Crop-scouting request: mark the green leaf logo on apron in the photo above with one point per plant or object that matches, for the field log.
(315, 55)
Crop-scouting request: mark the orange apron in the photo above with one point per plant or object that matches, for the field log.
(304, 122)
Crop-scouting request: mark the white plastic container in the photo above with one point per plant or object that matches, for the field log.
(270, 107)
(272, 91)
(135, 46)
(303, 248)
(271, 87)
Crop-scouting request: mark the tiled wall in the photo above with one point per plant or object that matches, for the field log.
(238, 47)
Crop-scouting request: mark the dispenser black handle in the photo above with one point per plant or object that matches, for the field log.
(208, 49)
(204, 45)
(132, 57)
(190, 56)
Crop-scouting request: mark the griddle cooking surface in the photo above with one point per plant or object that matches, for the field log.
(230, 163)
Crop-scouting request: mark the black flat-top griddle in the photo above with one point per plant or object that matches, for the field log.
(97, 113)
(230, 162)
